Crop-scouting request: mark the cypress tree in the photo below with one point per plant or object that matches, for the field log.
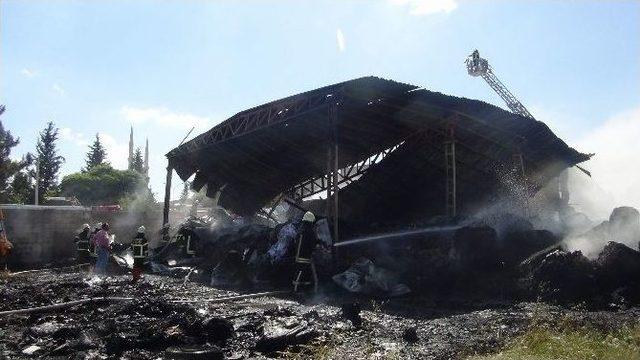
(137, 163)
(96, 155)
(49, 161)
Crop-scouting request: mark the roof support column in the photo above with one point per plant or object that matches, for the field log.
(167, 196)
(329, 180)
(333, 118)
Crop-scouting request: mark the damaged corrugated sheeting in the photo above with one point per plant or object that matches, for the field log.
(262, 152)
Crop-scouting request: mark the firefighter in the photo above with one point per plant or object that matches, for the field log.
(93, 255)
(306, 242)
(82, 241)
(140, 247)
(5, 247)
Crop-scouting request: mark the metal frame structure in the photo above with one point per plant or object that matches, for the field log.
(278, 112)
(246, 122)
(337, 107)
(252, 120)
(347, 175)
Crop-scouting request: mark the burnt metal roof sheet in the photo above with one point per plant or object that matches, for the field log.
(264, 151)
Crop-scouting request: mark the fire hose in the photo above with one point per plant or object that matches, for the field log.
(68, 304)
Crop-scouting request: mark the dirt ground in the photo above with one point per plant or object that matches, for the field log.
(155, 324)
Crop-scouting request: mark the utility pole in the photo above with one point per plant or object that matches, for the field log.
(37, 189)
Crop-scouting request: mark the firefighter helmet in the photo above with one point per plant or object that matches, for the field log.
(309, 217)
(86, 227)
(142, 229)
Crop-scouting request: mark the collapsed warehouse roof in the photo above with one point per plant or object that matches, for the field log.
(391, 132)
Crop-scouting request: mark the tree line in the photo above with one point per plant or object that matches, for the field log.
(97, 183)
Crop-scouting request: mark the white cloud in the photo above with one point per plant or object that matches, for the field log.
(341, 40)
(28, 72)
(117, 152)
(161, 116)
(427, 7)
(77, 138)
(58, 89)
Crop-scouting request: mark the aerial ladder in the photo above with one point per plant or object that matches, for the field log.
(477, 66)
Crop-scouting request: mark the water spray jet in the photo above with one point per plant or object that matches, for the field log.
(439, 229)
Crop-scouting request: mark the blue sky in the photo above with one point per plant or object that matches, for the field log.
(164, 66)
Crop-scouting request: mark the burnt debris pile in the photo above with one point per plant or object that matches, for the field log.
(142, 323)
(503, 258)
(158, 317)
(564, 277)
(235, 254)
(604, 275)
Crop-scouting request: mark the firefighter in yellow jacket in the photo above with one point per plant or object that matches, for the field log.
(82, 241)
(140, 247)
(306, 243)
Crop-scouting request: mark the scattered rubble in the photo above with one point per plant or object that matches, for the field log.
(154, 325)
(367, 278)
(351, 312)
(455, 292)
(410, 335)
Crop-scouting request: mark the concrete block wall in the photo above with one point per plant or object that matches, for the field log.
(43, 234)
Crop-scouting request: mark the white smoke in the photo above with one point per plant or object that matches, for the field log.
(615, 182)
(615, 179)
(615, 170)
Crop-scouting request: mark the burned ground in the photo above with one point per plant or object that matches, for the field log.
(433, 295)
(156, 324)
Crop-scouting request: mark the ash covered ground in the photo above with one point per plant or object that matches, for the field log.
(155, 325)
(473, 292)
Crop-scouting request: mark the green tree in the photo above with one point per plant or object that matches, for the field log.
(22, 188)
(49, 161)
(103, 185)
(96, 155)
(8, 167)
(137, 163)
